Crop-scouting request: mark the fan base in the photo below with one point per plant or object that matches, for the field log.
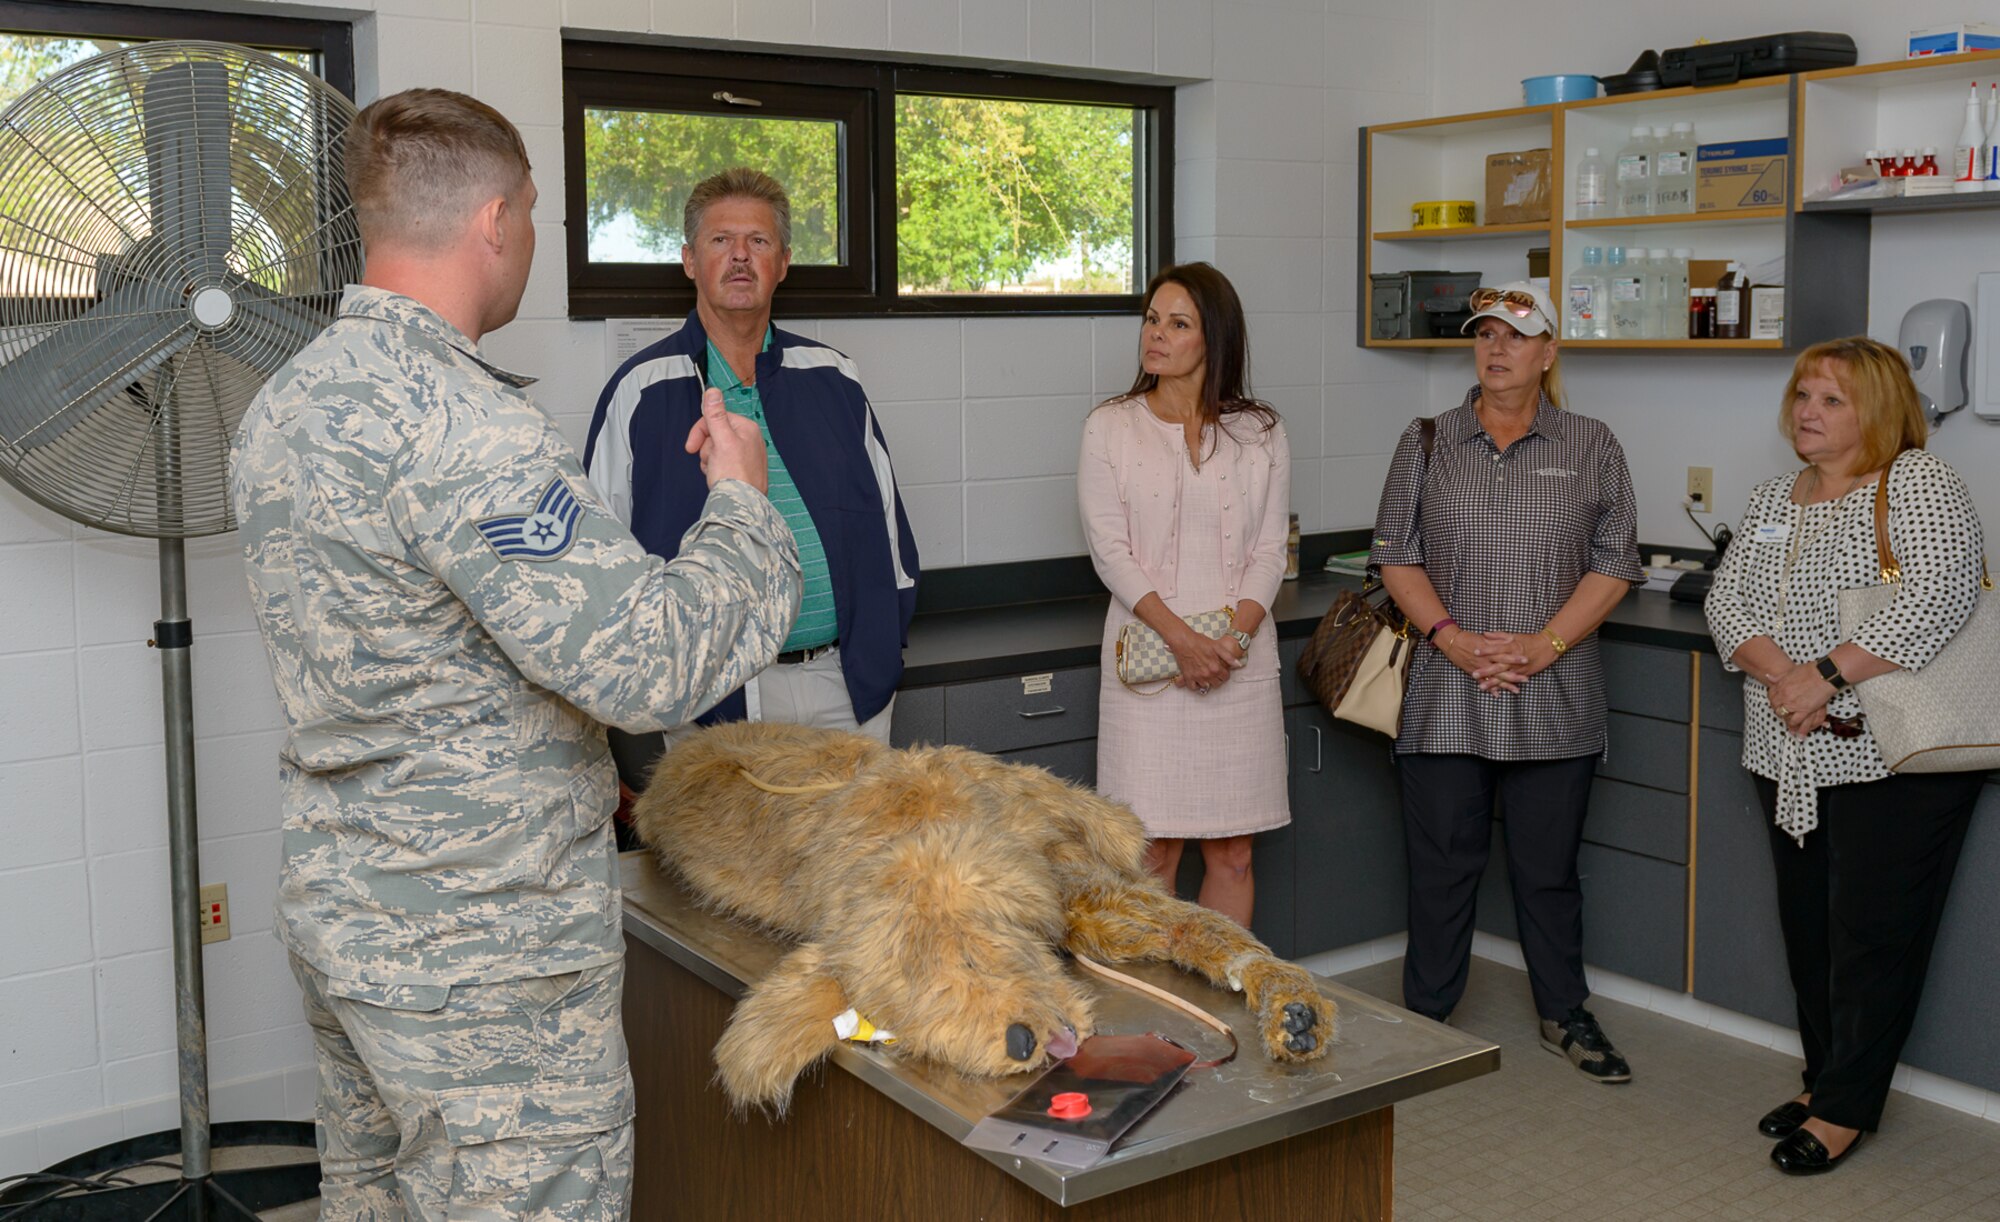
(252, 1186)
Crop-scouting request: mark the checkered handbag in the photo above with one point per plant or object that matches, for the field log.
(1143, 656)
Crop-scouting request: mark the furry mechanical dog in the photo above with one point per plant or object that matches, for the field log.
(930, 889)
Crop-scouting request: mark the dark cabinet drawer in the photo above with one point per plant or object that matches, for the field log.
(918, 718)
(1023, 710)
(1072, 761)
(1634, 915)
(1638, 820)
(1721, 696)
(1646, 752)
(1646, 679)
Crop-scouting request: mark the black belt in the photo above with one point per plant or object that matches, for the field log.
(793, 657)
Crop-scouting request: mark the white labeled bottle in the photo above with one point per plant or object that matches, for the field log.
(1659, 281)
(1634, 183)
(1673, 172)
(1628, 293)
(1732, 303)
(1991, 180)
(1593, 187)
(1583, 315)
(1967, 157)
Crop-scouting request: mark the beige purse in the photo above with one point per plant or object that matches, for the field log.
(1375, 696)
(1946, 716)
(1143, 657)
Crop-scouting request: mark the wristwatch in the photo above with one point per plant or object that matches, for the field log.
(1831, 673)
(1242, 638)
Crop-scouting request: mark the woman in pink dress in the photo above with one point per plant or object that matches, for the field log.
(1183, 485)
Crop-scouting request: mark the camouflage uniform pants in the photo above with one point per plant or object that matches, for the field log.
(491, 1101)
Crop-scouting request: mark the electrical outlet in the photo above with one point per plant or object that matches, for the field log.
(1701, 488)
(215, 913)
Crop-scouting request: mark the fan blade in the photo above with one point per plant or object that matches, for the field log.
(268, 329)
(53, 386)
(187, 118)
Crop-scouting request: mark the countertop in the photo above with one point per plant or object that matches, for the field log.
(957, 646)
(1382, 1055)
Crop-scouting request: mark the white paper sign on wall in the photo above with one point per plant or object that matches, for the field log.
(625, 336)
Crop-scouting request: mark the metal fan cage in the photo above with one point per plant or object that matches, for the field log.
(174, 225)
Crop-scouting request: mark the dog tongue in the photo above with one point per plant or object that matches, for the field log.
(1062, 1045)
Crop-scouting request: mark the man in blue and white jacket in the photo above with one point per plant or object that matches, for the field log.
(829, 468)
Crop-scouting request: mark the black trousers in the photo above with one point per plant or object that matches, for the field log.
(1448, 806)
(1859, 904)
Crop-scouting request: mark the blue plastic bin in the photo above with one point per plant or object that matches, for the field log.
(1568, 87)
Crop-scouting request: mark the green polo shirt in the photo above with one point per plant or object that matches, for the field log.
(816, 624)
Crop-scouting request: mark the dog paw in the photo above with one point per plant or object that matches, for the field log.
(1293, 1019)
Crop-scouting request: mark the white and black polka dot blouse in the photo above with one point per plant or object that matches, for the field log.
(1935, 535)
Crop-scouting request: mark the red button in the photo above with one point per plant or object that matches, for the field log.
(1070, 1105)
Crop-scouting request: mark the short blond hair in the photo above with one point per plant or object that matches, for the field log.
(1876, 380)
(738, 182)
(420, 161)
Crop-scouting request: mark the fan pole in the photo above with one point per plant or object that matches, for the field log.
(174, 635)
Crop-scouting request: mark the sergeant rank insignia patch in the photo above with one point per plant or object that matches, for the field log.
(544, 532)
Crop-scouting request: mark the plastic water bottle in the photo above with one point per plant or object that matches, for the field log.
(1673, 172)
(1635, 174)
(1584, 318)
(1968, 157)
(1592, 187)
(1628, 293)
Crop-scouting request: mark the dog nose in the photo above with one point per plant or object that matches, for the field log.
(1020, 1042)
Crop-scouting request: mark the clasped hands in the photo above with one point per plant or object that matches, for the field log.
(1498, 661)
(1799, 696)
(1205, 662)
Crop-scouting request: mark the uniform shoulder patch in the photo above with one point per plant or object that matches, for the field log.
(543, 532)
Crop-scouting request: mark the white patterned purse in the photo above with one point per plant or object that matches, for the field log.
(1143, 656)
(1946, 716)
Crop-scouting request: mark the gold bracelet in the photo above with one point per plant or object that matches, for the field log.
(1561, 646)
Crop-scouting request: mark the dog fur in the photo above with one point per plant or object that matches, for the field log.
(930, 889)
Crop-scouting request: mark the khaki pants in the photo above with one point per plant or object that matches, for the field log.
(809, 693)
(490, 1101)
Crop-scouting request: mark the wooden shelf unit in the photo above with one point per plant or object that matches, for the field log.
(1844, 112)
(1826, 251)
(1916, 203)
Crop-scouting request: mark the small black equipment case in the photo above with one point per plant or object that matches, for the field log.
(1725, 63)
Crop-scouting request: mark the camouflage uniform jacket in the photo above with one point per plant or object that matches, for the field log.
(450, 613)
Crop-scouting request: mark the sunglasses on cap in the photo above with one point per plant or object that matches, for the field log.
(1514, 301)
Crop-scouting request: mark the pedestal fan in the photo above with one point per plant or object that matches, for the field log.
(174, 225)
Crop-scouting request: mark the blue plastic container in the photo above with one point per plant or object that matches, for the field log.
(1568, 87)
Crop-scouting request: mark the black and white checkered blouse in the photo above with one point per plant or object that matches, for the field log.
(1782, 578)
(1505, 538)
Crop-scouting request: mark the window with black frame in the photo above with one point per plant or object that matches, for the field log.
(913, 190)
(39, 38)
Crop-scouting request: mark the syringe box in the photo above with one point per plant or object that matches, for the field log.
(1952, 39)
(1743, 174)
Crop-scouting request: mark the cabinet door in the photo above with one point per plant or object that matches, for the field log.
(1962, 991)
(1739, 953)
(1721, 696)
(1272, 862)
(1634, 915)
(1348, 824)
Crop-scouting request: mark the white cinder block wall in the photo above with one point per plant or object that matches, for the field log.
(983, 416)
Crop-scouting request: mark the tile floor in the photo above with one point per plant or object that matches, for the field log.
(1537, 1141)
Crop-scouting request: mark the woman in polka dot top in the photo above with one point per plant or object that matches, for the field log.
(1863, 857)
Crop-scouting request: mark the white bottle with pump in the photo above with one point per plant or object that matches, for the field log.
(1968, 158)
(1634, 185)
(1593, 187)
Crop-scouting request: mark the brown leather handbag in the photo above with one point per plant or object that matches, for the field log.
(1364, 628)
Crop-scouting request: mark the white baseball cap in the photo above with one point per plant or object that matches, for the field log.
(1506, 303)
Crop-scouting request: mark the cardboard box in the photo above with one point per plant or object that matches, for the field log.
(1767, 312)
(1745, 174)
(1706, 273)
(1518, 187)
(1952, 39)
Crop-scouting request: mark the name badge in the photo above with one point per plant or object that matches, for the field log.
(1772, 532)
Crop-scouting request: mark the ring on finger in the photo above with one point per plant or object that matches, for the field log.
(1783, 711)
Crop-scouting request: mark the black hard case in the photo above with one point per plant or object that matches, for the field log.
(1725, 63)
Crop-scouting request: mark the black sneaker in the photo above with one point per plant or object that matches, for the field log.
(1578, 1037)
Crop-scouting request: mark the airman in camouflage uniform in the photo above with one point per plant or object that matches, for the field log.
(450, 614)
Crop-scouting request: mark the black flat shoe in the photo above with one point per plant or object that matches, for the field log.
(1802, 1154)
(1784, 1119)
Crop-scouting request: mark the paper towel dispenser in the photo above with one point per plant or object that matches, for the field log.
(1935, 335)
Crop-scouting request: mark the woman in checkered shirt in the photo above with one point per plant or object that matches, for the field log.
(1506, 544)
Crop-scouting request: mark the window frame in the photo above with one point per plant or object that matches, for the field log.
(598, 74)
(331, 40)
